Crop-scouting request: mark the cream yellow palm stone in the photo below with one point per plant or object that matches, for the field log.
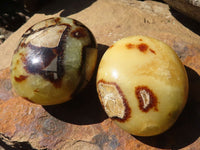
(142, 85)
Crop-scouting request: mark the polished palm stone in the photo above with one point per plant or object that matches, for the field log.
(142, 85)
(54, 60)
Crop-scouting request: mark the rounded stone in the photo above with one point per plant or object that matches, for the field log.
(142, 85)
(54, 60)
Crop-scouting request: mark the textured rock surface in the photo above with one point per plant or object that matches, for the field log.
(81, 123)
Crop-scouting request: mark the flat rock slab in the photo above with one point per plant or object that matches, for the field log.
(81, 123)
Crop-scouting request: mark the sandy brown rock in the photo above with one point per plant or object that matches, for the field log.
(81, 123)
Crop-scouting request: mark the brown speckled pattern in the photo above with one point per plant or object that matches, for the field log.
(127, 111)
(148, 101)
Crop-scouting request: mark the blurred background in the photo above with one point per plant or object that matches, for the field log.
(14, 13)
